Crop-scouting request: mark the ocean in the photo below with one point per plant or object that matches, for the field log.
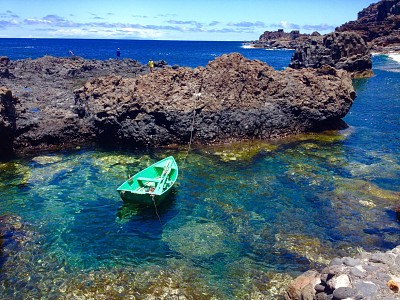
(182, 53)
(243, 219)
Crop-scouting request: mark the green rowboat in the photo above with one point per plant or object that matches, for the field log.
(151, 185)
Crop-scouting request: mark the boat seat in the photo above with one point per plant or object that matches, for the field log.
(149, 179)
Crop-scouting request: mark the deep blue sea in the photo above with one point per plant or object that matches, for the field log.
(243, 220)
(182, 53)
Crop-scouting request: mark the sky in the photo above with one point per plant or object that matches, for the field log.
(203, 20)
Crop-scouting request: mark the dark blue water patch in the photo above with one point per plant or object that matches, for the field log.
(182, 53)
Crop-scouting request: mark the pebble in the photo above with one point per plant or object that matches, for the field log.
(344, 293)
(366, 289)
(351, 262)
(357, 272)
(336, 261)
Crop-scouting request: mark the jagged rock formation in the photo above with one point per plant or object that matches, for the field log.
(232, 98)
(7, 121)
(378, 24)
(44, 113)
(344, 50)
(283, 40)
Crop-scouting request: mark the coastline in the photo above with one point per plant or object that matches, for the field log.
(391, 54)
(314, 146)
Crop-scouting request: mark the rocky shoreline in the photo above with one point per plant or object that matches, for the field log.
(349, 47)
(62, 102)
(366, 276)
(40, 100)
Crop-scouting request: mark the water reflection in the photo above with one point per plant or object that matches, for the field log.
(163, 211)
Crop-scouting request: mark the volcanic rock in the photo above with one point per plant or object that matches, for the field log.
(378, 25)
(7, 121)
(367, 276)
(280, 39)
(44, 114)
(233, 98)
(346, 51)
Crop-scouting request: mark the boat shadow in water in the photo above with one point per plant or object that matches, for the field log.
(164, 211)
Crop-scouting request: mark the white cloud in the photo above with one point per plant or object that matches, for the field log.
(32, 21)
(287, 25)
(142, 33)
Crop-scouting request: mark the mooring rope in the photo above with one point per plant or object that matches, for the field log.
(196, 96)
(155, 206)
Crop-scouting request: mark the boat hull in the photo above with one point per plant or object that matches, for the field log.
(151, 185)
(143, 199)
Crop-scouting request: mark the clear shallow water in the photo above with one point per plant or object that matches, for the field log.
(243, 219)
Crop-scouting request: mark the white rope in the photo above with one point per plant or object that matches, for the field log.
(196, 96)
(155, 206)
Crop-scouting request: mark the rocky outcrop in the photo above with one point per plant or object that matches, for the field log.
(346, 51)
(7, 121)
(232, 98)
(367, 276)
(378, 25)
(283, 40)
(44, 114)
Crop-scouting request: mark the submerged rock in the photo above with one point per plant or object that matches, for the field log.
(302, 246)
(197, 239)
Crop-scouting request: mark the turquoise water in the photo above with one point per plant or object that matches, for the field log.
(243, 219)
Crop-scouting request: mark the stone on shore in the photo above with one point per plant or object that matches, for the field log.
(368, 276)
(302, 288)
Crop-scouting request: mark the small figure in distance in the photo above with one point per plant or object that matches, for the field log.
(151, 65)
(72, 54)
(118, 54)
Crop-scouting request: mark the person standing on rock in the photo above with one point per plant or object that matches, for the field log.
(151, 65)
(118, 54)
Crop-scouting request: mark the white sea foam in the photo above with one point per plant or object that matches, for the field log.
(278, 49)
(247, 46)
(395, 56)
